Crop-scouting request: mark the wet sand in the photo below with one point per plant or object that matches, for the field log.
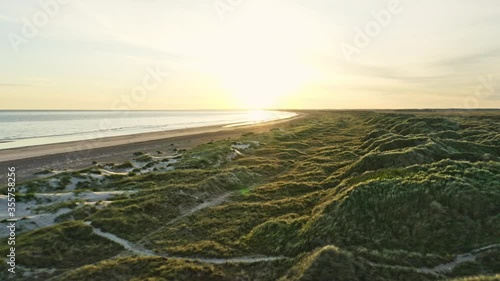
(81, 154)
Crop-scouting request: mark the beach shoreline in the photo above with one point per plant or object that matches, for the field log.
(81, 154)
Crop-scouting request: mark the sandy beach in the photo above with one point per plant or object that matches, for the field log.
(81, 154)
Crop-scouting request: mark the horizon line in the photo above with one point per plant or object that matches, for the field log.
(267, 109)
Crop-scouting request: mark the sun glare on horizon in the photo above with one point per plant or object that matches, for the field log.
(261, 84)
(262, 80)
(261, 64)
(258, 115)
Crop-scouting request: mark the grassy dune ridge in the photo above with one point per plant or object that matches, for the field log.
(342, 195)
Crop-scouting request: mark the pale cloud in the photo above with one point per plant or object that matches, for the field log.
(432, 53)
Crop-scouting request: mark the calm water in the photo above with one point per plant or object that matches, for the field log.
(27, 128)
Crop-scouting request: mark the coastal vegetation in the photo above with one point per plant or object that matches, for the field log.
(330, 196)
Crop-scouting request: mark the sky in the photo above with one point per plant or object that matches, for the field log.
(249, 54)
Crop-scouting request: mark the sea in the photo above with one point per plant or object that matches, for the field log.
(23, 128)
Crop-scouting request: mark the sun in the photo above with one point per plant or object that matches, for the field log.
(261, 81)
(259, 60)
(258, 115)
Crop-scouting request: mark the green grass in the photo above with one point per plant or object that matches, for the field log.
(480, 278)
(125, 165)
(53, 208)
(143, 268)
(245, 191)
(144, 158)
(67, 245)
(337, 192)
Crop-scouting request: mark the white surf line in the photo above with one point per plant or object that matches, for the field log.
(148, 253)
